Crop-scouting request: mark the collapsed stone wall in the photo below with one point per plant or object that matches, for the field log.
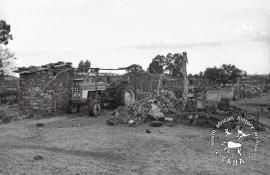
(147, 84)
(45, 91)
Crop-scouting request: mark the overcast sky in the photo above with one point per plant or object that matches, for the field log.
(117, 33)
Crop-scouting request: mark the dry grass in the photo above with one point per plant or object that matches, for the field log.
(71, 144)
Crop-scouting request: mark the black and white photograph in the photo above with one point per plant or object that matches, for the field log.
(134, 87)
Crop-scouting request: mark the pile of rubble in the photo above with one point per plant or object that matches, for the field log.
(197, 92)
(141, 94)
(251, 91)
(143, 110)
(166, 102)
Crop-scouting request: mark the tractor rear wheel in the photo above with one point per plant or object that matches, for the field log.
(126, 95)
(94, 108)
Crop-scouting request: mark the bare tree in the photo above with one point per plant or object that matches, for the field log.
(6, 57)
(6, 62)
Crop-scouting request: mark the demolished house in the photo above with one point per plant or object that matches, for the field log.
(45, 89)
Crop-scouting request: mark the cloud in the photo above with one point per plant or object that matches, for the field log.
(262, 37)
(254, 34)
(265, 39)
(244, 34)
(174, 45)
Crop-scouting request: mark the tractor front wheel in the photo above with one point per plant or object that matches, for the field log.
(94, 108)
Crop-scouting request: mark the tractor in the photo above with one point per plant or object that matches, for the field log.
(98, 90)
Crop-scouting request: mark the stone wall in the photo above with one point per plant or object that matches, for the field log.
(150, 82)
(45, 91)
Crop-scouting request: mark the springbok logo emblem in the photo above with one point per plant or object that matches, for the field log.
(241, 134)
(227, 133)
(233, 144)
(228, 145)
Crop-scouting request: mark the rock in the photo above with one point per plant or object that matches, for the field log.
(148, 131)
(38, 157)
(134, 168)
(121, 113)
(111, 122)
(156, 123)
(131, 122)
(39, 125)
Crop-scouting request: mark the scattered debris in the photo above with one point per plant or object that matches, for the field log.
(111, 121)
(134, 168)
(38, 157)
(5, 120)
(156, 123)
(148, 131)
(25, 116)
(131, 122)
(39, 125)
(121, 114)
(155, 111)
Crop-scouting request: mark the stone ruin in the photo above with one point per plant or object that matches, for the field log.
(45, 89)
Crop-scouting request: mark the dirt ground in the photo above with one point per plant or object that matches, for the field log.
(72, 144)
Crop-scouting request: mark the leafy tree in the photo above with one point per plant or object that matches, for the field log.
(169, 63)
(172, 64)
(157, 65)
(177, 68)
(196, 76)
(225, 74)
(81, 64)
(134, 68)
(178, 64)
(190, 75)
(84, 66)
(211, 73)
(5, 35)
(87, 65)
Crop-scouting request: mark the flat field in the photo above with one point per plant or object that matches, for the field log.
(73, 144)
